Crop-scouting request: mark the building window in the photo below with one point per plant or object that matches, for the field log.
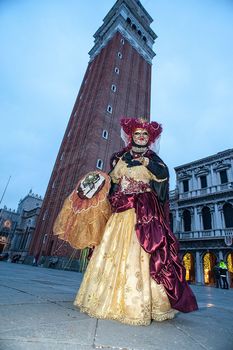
(68, 135)
(203, 180)
(99, 164)
(117, 70)
(113, 88)
(122, 41)
(206, 218)
(119, 55)
(128, 20)
(187, 220)
(223, 176)
(134, 27)
(144, 38)
(45, 215)
(109, 109)
(62, 155)
(45, 238)
(105, 134)
(228, 215)
(186, 185)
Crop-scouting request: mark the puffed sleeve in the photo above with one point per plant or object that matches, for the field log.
(160, 178)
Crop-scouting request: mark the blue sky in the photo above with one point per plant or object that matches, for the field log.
(44, 55)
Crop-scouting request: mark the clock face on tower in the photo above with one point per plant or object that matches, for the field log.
(7, 224)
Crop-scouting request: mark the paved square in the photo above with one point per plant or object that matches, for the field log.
(37, 312)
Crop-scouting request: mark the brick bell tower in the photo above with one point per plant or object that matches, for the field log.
(117, 83)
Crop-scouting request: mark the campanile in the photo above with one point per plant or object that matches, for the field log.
(117, 83)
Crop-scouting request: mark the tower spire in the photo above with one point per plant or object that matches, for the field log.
(129, 18)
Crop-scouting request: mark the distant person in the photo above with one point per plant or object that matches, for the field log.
(35, 260)
(217, 276)
(16, 258)
(223, 274)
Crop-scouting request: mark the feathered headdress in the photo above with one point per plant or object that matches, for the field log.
(128, 125)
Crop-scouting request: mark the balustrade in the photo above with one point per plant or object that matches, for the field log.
(218, 233)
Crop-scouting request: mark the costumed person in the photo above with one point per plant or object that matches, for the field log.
(223, 274)
(217, 275)
(135, 275)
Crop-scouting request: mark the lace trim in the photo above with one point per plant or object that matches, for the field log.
(133, 322)
(166, 316)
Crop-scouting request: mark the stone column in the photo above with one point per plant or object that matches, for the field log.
(231, 171)
(28, 241)
(211, 206)
(199, 212)
(181, 221)
(222, 221)
(13, 242)
(194, 187)
(177, 222)
(198, 268)
(196, 220)
(211, 176)
(217, 216)
(220, 255)
(192, 218)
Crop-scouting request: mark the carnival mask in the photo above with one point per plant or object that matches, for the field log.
(140, 137)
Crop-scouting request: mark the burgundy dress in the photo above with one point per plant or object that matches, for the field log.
(153, 230)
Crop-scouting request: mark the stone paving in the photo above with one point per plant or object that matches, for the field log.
(37, 313)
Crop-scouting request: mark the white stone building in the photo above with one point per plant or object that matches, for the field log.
(202, 215)
(17, 227)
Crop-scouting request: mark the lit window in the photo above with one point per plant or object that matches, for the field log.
(99, 164)
(119, 55)
(105, 134)
(117, 70)
(122, 41)
(109, 109)
(113, 88)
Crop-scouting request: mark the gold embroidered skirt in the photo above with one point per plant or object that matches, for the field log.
(117, 283)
